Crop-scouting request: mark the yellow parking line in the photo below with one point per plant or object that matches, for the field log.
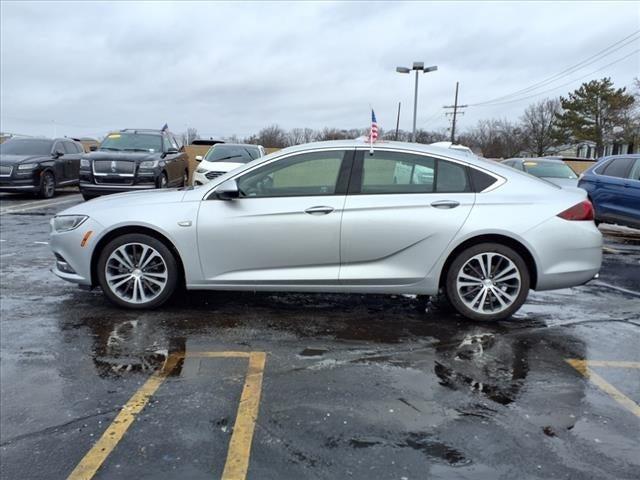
(611, 363)
(92, 461)
(237, 462)
(582, 366)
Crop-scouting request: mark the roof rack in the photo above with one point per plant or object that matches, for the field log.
(136, 130)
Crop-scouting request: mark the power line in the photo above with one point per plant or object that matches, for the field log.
(584, 63)
(562, 85)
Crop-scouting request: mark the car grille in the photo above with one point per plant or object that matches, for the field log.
(5, 170)
(114, 180)
(212, 175)
(114, 166)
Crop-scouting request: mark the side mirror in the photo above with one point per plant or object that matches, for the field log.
(57, 154)
(198, 158)
(93, 148)
(228, 190)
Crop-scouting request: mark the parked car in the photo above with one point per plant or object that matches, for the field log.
(329, 217)
(133, 159)
(613, 186)
(222, 158)
(39, 165)
(550, 169)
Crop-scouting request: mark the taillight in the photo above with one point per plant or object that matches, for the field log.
(580, 211)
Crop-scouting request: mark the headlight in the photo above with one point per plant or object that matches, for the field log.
(201, 170)
(85, 162)
(66, 223)
(149, 164)
(27, 166)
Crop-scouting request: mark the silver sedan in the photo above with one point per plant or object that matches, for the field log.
(338, 217)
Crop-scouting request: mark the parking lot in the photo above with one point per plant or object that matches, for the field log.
(273, 386)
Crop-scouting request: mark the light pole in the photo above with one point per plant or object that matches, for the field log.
(418, 67)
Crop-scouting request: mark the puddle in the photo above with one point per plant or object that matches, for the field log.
(312, 352)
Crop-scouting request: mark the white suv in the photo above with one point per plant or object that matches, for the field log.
(222, 158)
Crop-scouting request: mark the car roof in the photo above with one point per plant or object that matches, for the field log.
(539, 159)
(217, 145)
(452, 153)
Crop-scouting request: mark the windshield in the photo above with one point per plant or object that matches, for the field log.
(26, 147)
(132, 142)
(232, 153)
(549, 169)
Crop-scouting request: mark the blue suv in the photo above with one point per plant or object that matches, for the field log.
(613, 185)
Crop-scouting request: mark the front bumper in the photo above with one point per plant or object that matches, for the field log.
(199, 179)
(73, 261)
(105, 189)
(20, 183)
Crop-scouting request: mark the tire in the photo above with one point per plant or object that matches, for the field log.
(163, 181)
(161, 268)
(88, 196)
(47, 185)
(504, 289)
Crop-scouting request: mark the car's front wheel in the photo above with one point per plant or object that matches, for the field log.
(487, 282)
(137, 271)
(47, 185)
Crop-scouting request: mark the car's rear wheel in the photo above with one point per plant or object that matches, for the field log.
(488, 281)
(47, 185)
(137, 271)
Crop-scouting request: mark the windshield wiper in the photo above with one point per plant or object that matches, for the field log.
(226, 158)
(135, 150)
(111, 149)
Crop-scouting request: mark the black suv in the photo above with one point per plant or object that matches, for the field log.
(39, 165)
(133, 159)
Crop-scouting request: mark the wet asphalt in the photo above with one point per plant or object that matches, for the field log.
(363, 387)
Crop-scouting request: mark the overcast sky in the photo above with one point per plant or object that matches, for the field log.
(84, 68)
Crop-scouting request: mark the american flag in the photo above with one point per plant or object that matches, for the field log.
(373, 135)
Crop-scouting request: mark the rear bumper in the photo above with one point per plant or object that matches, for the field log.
(568, 253)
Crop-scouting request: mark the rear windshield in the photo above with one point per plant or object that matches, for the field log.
(132, 142)
(19, 146)
(232, 153)
(549, 169)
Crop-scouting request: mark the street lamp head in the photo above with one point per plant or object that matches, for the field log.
(403, 69)
(418, 65)
(431, 69)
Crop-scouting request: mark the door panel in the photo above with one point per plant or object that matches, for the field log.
(401, 213)
(284, 228)
(270, 240)
(396, 239)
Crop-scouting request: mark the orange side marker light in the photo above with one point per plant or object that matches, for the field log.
(86, 237)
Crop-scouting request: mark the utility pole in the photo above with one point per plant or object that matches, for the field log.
(455, 113)
(398, 121)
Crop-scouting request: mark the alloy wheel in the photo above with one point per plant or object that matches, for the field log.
(136, 273)
(488, 283)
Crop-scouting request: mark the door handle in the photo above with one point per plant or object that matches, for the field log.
(319, 210)
(445, 204)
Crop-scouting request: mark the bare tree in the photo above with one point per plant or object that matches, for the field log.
(296, 136)
(494, 138)
(272, 136)
(539, 134)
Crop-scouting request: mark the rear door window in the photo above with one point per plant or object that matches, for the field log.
(635, 171)
(618, 167)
